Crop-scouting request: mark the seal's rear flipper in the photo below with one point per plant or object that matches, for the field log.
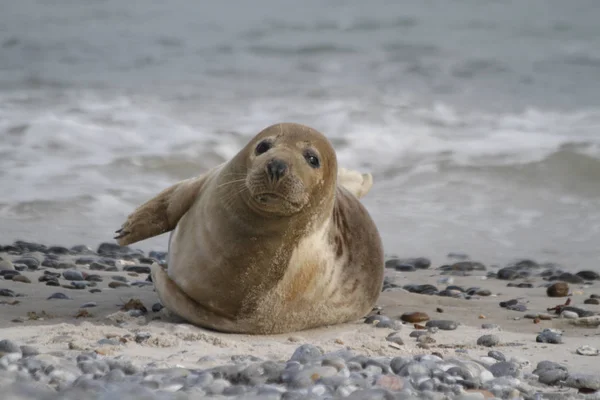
(355, 182)
(180, 304)
(161, 213)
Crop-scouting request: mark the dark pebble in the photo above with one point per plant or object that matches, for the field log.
(570, 278)
(24, 246)
(559, 289)
(117, 284)
(50, 263)
(7, 293)
(507, 303)
(119, 278)
(467, 266)
(85, 261)
(421, 289)
(66, 265)
(29, 351)
(95, 290)
(579, 311)
(159, 255)
(517, 307)
(140, 269)
(445, 325)
(552, 376)
(76, 285)
(59, 296)
(112, 249)
(8, 347)
(20, 278)
(93, 278)
(156, 307)
(52, 282)
(588, 275)
(89, 305)
(525, 285)
(591, 301)
(52, 274)
(147, 260)
(96, 266)
(9, 274)
(458, 255)
(58, 250)
(141, 337)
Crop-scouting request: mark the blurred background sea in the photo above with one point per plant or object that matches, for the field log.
(479, 119)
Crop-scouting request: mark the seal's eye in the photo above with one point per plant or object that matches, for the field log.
(263, 147)
(312, 159)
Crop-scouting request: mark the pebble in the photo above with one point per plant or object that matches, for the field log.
(7, 293)
(394, 337)
(156, 307)
(490, 326)
(587, 351)
(117, 284)
(583, 381)
(414, 317)
(488, 340)
(497, 355)
(591, 301)
(89, 305)
(549, 336)
(21, 278)
(445, 325)
(569, 314)
(140, 269)
(8, 347)
(29, 262)
(559, 289)
(6, 265)
(73, 275)
(59, 296)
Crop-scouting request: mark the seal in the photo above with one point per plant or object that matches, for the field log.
(274, 240)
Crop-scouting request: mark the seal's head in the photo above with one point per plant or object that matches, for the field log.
(289, 168)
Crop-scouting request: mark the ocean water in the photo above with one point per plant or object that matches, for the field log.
(480, 120)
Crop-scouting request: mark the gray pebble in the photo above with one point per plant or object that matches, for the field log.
(445, 325)
(490, 326)
(583, 381)
(306, 353)
(29, 351)
(7, 293)
(96, 266)
(394, 337)
(142, 336)
(505, 368)
(156, 307)
(497, 355)
(8, 346)
(488, 340)
(89, 305)
(59, 296)
(552, 376)
(73, 275)
(549, 337)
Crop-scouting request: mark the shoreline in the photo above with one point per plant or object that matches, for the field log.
(462, 293)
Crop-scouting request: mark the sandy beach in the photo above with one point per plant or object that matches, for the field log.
(118, 316)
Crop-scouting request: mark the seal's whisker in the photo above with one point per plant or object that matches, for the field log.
(231, 182)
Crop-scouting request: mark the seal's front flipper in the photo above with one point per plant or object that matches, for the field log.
(355, 182)
(161, 213)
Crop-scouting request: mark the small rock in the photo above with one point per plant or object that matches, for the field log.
(29, 351)
(21, 278)
(445, 325)
(504, 369)
(156, 307)
(588, 275)
(306, 353)
(490, 326)
(394, 337)
(89, 305)
(7, 293)
(488, 340)
(558, 289)
(497, 355)
(591, 301)
(30, 262)
(583, 381)
(414, 317)
(140, 269)
(59, 296)
(73, 275)
(9, 347)
(142, 337)
(569, 315)
(587, 351)
(549, 336)
(96, 266)
(117, 284)
(6, 265)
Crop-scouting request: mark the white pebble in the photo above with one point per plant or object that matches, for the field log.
(587, 351)
(569, 315)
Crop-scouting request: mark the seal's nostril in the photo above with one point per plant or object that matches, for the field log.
(276, 169)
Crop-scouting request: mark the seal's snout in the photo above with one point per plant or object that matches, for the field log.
(276, 169)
